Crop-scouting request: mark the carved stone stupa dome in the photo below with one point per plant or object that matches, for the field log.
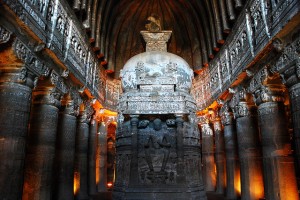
(156, 82)
(156, 68)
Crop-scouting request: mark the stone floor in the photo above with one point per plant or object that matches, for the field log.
(107, 196)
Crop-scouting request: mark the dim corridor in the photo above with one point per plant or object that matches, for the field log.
(107, 196)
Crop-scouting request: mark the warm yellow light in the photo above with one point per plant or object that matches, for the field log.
(237, 182)
(109, 185)
(76, 182)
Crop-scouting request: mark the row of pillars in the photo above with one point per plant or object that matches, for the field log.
(47, 151)
(246, 148)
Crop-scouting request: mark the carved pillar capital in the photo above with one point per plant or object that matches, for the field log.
(70, 106)
(47, 95)
(244, 109)
(202, 119)
(86, 114)
(226, 115)
(269, 93)
(206, 129)
(15, 74)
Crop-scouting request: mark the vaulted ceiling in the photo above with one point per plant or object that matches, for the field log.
(199, 27)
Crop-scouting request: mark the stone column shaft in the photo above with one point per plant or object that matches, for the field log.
(81, 158)
(219, 157)
(92, 157)
(295, 111)
(15, 101)
(232, 162)
(65, 157)
(41, 145)
(102, 145)
(209, 174)
(252, 186)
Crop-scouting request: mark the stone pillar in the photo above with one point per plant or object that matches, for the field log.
(208, 159)
(92, 156)
(294, 92)
(15, 101)
(291, 78)
(134, 149)
(233, 186)
(65, 154)
(278, 162)
(102, 145)
(252, 186)
(81, 156)
(41, 143)
(219, 153)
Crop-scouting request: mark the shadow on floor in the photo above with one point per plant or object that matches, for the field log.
(107, 196)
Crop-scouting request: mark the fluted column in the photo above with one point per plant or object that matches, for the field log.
(219, 153)
(81, 156)
(65, 153)
(252, 187)
(41, 143)
(92, 156)
(233, 187)
(278, 162)
(208, 159)
(15, 99)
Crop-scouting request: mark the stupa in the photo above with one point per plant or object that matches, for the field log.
(157, 140)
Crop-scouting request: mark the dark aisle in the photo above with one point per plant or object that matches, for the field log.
(107, 196)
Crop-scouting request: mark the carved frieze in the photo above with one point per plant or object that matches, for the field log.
(4, 35)
(34, 64)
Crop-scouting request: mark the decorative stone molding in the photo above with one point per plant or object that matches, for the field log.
(4, 35)
(37, 67)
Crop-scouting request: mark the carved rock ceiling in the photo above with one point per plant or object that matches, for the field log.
(199, 27)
